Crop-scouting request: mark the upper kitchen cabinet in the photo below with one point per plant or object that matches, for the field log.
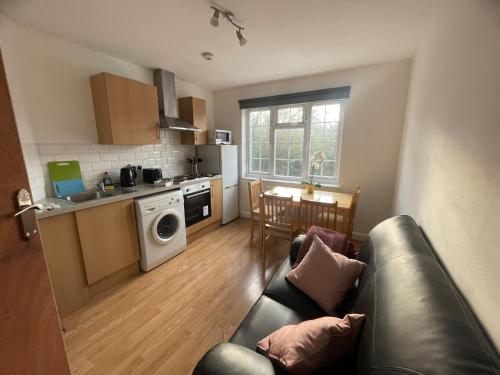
(194, 111)
(126, 111)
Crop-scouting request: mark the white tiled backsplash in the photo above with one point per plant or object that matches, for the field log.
(95, 159)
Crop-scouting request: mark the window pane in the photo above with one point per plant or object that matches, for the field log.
(264, 150)
(281, 167)
(264, 165)
(332, 112)
(281, 135)
(281, 150)
(283, 115)
(265, 117)
(297, 135)
(318, 113)
(254, 118)
(316, 132)
(296, 150)
(295, 168)
(330, 132)
(328, 168)
(296, 114)
(255, 150)
(255, 165)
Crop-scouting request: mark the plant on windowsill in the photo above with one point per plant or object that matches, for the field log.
(319, 158)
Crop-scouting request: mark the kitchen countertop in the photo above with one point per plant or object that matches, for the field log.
(138, 191)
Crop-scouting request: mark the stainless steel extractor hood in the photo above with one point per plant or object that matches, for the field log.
(167, 102)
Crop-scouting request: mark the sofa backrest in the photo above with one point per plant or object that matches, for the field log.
(417, 321)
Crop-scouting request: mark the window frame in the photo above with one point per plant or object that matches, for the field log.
(306, 125)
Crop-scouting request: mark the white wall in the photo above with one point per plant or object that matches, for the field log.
(449, 177)
(373, 123)
(49, 84)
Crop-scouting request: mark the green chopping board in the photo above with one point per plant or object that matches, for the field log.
(66, 177)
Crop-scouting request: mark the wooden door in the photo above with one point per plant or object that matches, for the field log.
(194, 111)
(126, 111)
(30, 332)
(108, 237)
(216, 202)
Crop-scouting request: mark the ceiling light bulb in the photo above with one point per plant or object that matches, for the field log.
(242, 40)
(214, 21)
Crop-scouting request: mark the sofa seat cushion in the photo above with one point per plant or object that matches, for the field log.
(284, 292)
(265, 317)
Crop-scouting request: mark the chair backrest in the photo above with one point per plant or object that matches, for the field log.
(318, 213)
(276, 211)
(352, 210)
(255, 189)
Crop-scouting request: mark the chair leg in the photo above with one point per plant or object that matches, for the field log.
(251, 227)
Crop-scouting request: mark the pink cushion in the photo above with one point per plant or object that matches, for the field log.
(313, 344)
(325, 276)
(334, 240)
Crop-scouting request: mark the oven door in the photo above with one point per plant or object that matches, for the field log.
(197, 206)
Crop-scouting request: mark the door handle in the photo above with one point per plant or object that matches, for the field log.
(27, 213)
(33, 206)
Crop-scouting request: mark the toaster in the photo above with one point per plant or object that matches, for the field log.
(150, 175)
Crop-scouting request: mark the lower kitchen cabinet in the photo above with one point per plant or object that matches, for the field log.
(216, 199)
(108, 238)
(61, 246)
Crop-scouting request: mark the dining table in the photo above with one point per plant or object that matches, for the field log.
(343, 199)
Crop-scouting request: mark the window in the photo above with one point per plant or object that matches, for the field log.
(283, 141)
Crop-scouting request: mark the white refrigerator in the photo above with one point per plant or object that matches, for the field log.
(223, 160)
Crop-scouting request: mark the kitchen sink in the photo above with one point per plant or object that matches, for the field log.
(88, 196)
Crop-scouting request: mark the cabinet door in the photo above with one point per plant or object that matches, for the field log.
(108, 237)
(216, 202)
(61, 246)
(193, 110)
(126, 111)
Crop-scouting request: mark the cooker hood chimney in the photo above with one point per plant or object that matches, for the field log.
(167, 102)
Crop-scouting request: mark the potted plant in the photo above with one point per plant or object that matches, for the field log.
(319, 158)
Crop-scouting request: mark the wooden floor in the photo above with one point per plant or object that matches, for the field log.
(162, 322)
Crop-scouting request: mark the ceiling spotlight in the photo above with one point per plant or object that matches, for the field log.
(214, 21)
(229, 17)
(207, 55)
(242, 40)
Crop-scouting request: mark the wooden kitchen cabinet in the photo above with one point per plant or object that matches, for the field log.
(194, 111)
(108, 238)
(126, 111)
(61, 246)
(216, 199)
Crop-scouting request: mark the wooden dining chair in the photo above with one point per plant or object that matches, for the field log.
(345, 223)
(352, 212)
(276, 218)
(322, 214)
(255, 189)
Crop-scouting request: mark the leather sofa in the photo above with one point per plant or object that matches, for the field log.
(417, 322)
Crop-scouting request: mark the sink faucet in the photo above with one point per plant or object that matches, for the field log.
(100, 186)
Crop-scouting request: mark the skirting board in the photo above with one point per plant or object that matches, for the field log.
(356, 235)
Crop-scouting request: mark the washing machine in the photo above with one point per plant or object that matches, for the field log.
(161, 227)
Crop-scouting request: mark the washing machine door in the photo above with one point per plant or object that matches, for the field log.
(166, 226)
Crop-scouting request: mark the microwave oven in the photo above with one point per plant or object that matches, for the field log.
(223, 137)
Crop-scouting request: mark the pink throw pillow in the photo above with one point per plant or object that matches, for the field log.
(313, 344)
(325, 276)
(334, 240)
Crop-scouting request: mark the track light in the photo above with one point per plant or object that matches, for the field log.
(214, 21)
(242, 40)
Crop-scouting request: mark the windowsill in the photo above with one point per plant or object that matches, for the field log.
(288, 182)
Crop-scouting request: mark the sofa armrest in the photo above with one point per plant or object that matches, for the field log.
(294, 249)
(233, 359)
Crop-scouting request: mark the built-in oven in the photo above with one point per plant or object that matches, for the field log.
(196, 202)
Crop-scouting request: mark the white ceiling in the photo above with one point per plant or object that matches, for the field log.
(286, 38)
